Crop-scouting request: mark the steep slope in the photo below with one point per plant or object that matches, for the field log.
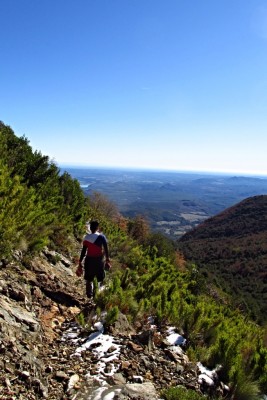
(52, 345)
(231, 250)
(44, 317)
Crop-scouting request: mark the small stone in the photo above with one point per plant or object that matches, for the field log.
(93, 371)
(40, 387)
(9, 368)
(135, 347)
(8, 383)
(25, 374)
(149, 376)
(111, 349)
(108, 369)
(125, 365)
(73, 381)
(48, 369)
(116, 379)
(61, 376)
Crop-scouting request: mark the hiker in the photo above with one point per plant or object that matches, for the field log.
(94, 247)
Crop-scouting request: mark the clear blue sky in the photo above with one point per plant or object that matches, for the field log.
(173, 84)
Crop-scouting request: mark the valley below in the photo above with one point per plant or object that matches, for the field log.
(172, 202)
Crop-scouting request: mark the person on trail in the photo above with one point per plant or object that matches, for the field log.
(94, 247)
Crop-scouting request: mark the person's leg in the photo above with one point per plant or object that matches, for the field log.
(100, 273)
(89, 276)
(94, 267)
(89, 289)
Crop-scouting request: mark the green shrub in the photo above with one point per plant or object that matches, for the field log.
(181, 393)
(246, 389)
(112, 315)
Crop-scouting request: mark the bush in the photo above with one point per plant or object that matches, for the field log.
(112, 315)
(181, 393)
(246, 388)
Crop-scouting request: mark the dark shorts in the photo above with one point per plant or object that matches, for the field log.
(94, 267)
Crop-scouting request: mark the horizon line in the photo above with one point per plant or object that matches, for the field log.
(154, 169)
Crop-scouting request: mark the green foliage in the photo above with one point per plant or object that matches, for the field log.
(17, 154)
(112, 315)
(24, 220)
(138, 228)
(231, 250)
(245, 388)
(216, 333)
(37, 209)
(181, 393)
(81, 319)
(37, 205)
(102, 208)
(160, 246)
(74, 205)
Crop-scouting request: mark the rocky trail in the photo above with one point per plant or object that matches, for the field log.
(53, 346)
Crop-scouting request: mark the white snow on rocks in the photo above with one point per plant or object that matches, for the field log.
(106, 351)
(174, 338)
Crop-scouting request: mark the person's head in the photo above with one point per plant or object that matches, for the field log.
(94, 226)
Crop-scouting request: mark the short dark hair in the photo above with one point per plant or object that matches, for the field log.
(93, 226)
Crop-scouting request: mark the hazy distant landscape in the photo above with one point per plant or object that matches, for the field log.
(172, 202)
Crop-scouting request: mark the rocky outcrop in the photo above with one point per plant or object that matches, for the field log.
(29, 318)
(45, 351)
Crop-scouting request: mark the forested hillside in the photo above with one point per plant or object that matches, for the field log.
(230, 250)
(38, 205)
(40, 209)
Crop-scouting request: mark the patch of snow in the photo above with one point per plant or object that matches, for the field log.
(99, 326)
(104, 341)
(104, 393)
(106, 350)
(71, 335)
(225, 387)
(151, 322)
(100, 343)
(206, 378)
(176, 339)
(177, 350)
(110, 358)
(138, 378)
(209, 376)
(204, 370)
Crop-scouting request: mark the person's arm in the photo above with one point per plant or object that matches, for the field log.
(105, 245)
(82, 254)
(107, 264)
(79, 270)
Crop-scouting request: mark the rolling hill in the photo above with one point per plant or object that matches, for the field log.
(172, 202)
(230, 250)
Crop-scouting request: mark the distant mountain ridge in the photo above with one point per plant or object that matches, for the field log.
(172, 202)
(248, 216)
(231, 250)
